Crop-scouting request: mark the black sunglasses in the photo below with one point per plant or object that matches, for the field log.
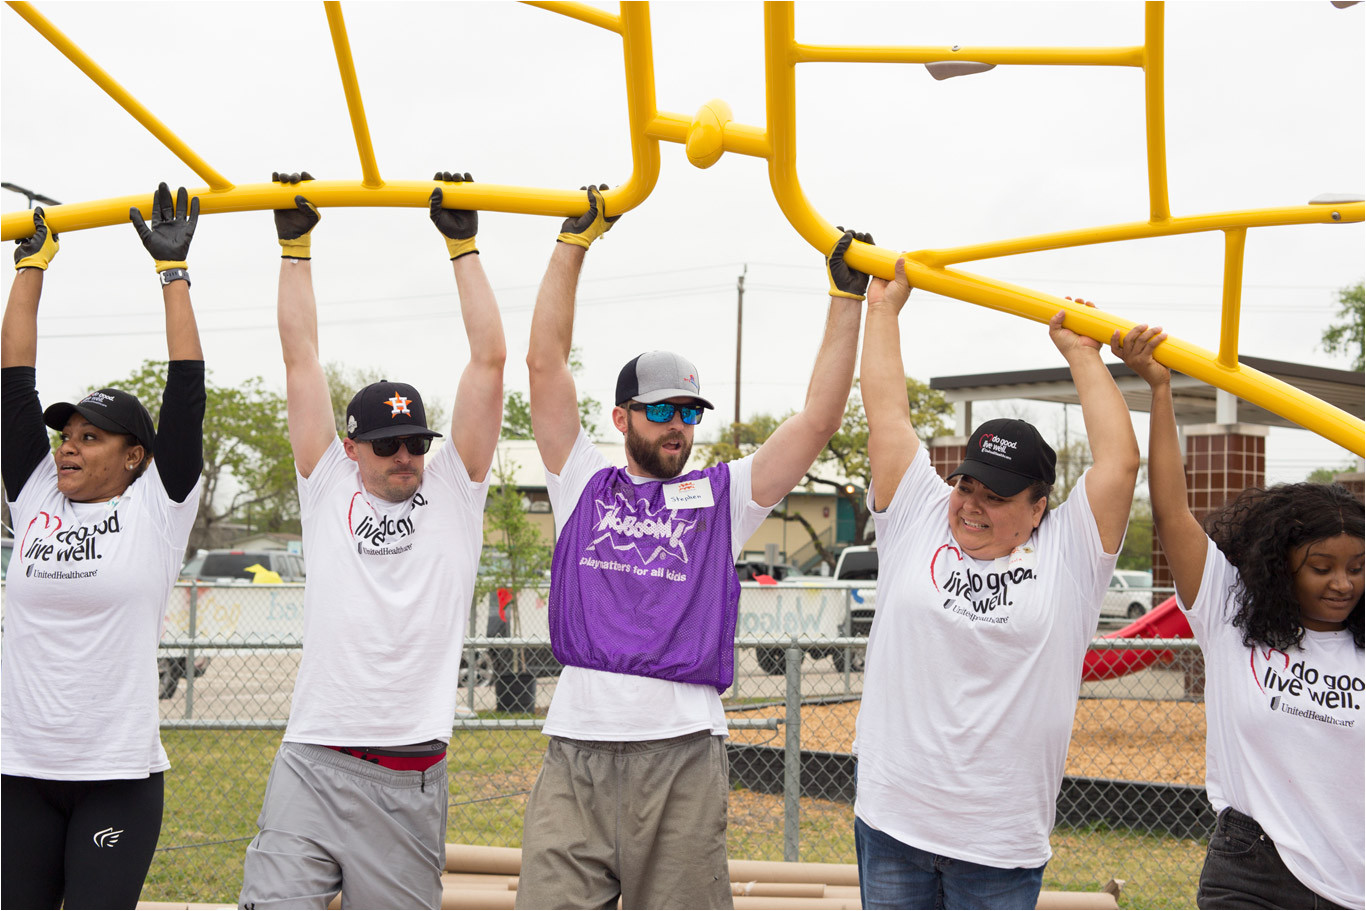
(663, 412)
(387, 446)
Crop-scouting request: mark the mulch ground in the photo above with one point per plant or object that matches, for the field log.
(1129, 739)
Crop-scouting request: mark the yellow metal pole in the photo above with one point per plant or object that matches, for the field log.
(638, 52)
(1028, 56)
(101, 78)
(1234, 241)
(582, 12)
(780, 89)
(347, 67)
(1193, 224)
(1154, 104)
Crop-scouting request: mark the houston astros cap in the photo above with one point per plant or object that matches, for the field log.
(108, 409)
(387, 409)
(1007, 456)
(658, 375)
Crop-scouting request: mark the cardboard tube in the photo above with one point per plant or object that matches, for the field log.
(477, 898)
(772, 871)
(775, 903)
(1069, 900)
(483, 859)
(789, 890)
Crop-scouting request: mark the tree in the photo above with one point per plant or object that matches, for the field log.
(1326, 475)
(515, 555)
(1137, 552)
(842, 468)
(248, 466)
(517, 410)
(1346, 337)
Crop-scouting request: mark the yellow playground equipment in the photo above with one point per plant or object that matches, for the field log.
(711, 132)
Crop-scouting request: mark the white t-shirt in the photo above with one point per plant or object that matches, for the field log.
(972, 676)
(386, 603)
(1284, 742)
(86, 598)
(598, 705)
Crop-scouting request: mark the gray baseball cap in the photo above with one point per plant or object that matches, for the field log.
(658, 375)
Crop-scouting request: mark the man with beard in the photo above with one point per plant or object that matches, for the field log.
(631, 798)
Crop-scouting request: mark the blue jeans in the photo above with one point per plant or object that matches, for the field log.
(895, 875)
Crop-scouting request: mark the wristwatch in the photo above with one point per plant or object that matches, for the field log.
(175, 275)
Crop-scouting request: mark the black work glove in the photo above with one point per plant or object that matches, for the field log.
(458, 225)
(168, 237)
(36, 250)
(292, 226)
(582, 230)
(845, 280)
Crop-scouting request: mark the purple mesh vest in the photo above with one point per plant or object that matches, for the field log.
(640, 587)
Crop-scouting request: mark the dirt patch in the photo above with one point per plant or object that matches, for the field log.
(1130, 739)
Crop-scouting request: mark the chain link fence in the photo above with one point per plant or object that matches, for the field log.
(1132, 806)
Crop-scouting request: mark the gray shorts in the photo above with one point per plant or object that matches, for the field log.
(643, 820)
(333, 822)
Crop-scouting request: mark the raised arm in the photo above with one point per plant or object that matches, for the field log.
(19, 334)
(892, 440)
(312, 427)
(554, 400)
(478, 415)
(1109, 431)
(789, 452)
(1183, 540)
(23, 436)
(179, 444)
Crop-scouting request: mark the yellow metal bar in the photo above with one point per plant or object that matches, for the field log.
(1154, 107)
(640, 106)
(582, 12)
(323, 193)
(1234, 241)
(101, 78)
(1029, 56)
(1193, 224)
(1246, 383)
(354, 106)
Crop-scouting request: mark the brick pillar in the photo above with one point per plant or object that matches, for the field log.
(1222, 460)
(946, 453)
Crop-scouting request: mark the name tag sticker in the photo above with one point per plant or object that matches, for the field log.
(694, 494)
(1023, 557)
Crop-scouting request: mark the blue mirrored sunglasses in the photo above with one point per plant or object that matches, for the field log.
(663, 412)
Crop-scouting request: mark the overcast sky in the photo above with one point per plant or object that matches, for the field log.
(1264, 108)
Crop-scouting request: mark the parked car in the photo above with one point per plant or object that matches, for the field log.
(1130, 595)
(224, 566)
(748, 569)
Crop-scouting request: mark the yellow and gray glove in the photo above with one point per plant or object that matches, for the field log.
(168, 236)
(292, 226)
(36, 250)
(846, 281)
(457, 225)
(583, 229)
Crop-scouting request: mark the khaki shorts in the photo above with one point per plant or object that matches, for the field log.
(333, 822)
(645, 821)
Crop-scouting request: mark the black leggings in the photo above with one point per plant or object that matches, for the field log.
(85, 844)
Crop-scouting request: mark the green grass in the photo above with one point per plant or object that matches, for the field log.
(214, 790)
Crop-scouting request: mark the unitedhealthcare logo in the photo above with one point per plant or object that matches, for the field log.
(107, 838)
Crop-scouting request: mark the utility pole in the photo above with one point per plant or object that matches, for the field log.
(739, 323)
(31, 194)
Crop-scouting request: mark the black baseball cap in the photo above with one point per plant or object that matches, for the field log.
(1007, 456)
(108, 409)
(658, 375)
(386, 409)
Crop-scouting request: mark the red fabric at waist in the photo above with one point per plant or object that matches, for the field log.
(399, 763)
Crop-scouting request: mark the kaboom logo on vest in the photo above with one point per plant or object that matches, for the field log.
(628, 526)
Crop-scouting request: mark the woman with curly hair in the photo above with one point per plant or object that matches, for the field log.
(1276, 606)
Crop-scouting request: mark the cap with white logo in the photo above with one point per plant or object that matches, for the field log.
(386, 409)
(1007, 456)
